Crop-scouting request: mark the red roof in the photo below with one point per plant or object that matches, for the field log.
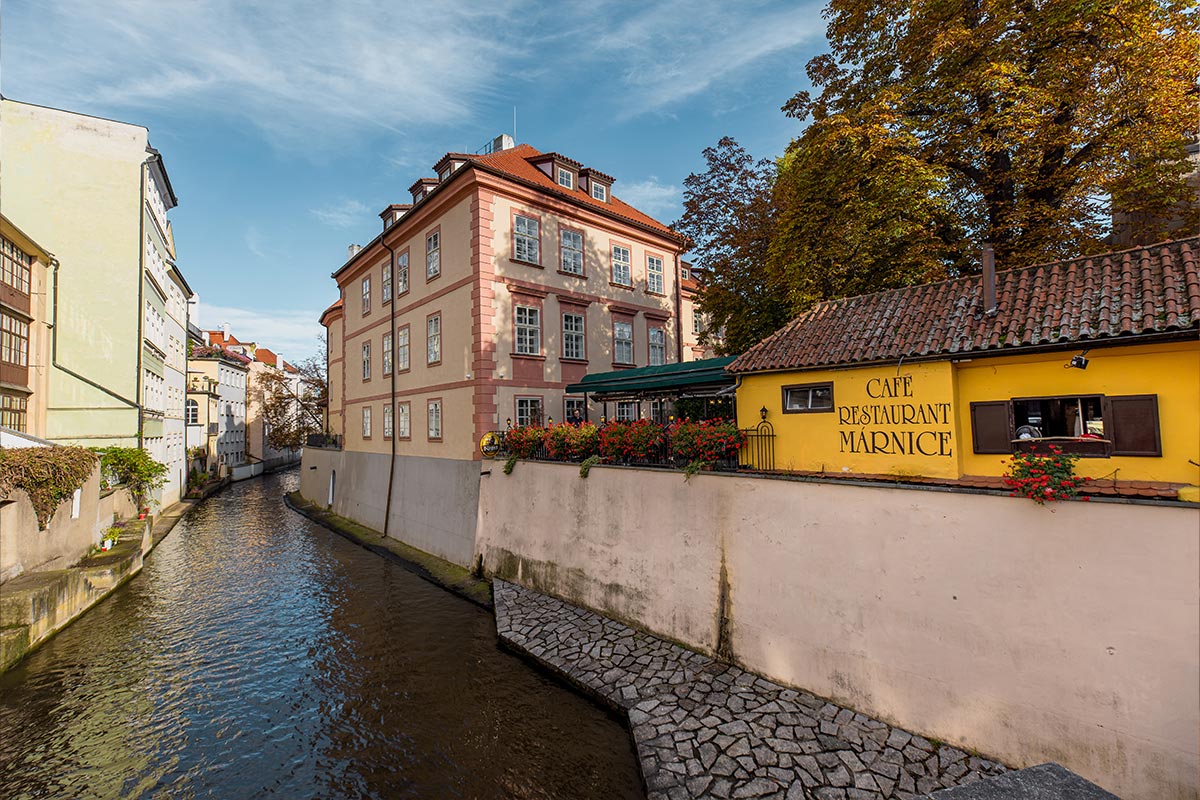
(337, 306)
(1145, 290)
(266, 356)
(217, 339)
(514, 163)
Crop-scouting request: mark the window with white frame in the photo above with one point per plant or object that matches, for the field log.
(16, 266)
(366, 295)
(14, 340)
(433, 255)
(571, 252)
(366, 422)
(434, 410)
(526, 239)
(622, 265)
(685, 273)
(387, 422)
(600, 192)
(366, 361)
(403, 414)
(402, 349)
(529, 411)
(566, 178)
(623, 342)
(387, 354)
(385, 283)
(574, 409)
(193, 412)
(433, 339)
(697, 321)
(401, 274)
(627, 410)
(574, 336)
(658, 346)
(654, 274)
(529, 330)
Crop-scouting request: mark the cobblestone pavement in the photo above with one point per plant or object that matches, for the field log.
(705, 729)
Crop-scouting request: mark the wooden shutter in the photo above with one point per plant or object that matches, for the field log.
(991, 428)
(1131, 423)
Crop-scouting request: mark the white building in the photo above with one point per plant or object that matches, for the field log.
(231, 372)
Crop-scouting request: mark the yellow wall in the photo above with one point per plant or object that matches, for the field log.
(861, 435)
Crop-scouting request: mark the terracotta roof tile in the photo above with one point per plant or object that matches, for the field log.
(1146, 290)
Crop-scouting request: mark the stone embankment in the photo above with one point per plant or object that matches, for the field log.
(706, 729)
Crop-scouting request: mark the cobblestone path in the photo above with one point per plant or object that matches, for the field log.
(705, 729)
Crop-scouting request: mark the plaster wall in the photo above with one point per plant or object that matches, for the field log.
(1031, 634)
(25, 549)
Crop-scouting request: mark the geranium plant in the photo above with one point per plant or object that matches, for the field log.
(568, 442)
(524, 442)
(1044, 477)
(706, 440)
(630, 441)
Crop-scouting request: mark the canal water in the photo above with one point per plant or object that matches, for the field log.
(259, 655)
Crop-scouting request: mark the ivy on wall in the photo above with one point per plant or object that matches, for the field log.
(48, 475)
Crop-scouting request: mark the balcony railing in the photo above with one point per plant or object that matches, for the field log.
(325, 441)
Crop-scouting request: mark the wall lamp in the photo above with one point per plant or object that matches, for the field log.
(1079, 362)
(762, 412)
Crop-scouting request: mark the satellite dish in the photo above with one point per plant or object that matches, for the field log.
(1029, 432)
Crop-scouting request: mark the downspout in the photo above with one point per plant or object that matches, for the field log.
(141, 315)
(678, 313)
(387, 509)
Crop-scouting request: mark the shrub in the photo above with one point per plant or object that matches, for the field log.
(630, 441)
(706, 440)
(48, 475)
(568, 442)
(524, 442)
(133, 467)
(1044, 477)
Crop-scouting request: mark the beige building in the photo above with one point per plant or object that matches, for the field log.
(693, 321)
(509, 276)
(24, 331)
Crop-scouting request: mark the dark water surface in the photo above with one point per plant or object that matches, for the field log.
(259, 655)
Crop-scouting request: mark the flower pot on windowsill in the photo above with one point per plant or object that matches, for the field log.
(1084, 446)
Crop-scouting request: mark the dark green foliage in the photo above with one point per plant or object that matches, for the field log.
(49, 475)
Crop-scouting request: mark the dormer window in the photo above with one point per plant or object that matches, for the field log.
(600, 192)
(685, 273)
(566, 178)
(445, 173)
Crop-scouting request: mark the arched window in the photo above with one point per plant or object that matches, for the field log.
(193, 412)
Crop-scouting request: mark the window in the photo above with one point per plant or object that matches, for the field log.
(193, 412)
(566, 178)
(685, 273)
(574, 409)
(574, 336)
(366, 422)
(385, 284)
(402, 273)
(433, 255)
(387, 422)
(1089, 425)
(808, 398)
(366, 361)
(529, 331)
(15, 266)
(600, 192)
(434, 409)
(387, 354)
(529, 411)
(14, 340)
(571, 252)
(402, 349)
(622, 265)
(525, 239)
(433, 339)
(622, 342)
(654, 274)
(697, 321)
(13, 411)
(627, 410)
(366, 296)
(658, 347)
(403, 431)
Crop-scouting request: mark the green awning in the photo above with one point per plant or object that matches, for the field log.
(695, 378)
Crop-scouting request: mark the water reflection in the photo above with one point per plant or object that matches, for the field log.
(258, 655)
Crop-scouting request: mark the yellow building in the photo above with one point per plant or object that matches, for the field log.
(944, 381)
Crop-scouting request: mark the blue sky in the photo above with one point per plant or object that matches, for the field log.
(287, 127)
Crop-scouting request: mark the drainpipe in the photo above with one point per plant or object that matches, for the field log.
(387, 509)
(678, 312)
(141, 315)
(989, 280)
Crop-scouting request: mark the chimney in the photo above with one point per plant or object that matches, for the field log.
(225, 331)
(989, 280)
(503, 142)
(353, 250)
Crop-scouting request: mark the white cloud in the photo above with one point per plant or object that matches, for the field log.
(295, 333)
(651, 196)
(344, 214)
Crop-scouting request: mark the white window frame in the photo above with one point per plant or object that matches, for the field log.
(433, 409)
(579, 403)
(387, 421)
(622, 265)
(403, 349)
(622, 345)
(387, 353)
(433, 339)
(366, 295)
(654, 275)
(527, 239)
(657, 354)
(403, 421)
(697, 321)
(433, 255)
(562, 172)
(527, 321)
(570, 257)
(401, 273)
(530, 411)
(627, 410)
(366, 361)
(366, 422)
(385, 283)
(574, 338)
(599, 192)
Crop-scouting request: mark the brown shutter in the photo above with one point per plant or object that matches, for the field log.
(1131, 423)
(991, 431)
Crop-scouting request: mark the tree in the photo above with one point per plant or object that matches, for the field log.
(133, 468)
(292, 404)
(1040, 112)
(730, 218)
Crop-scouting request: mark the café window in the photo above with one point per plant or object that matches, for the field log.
(1098, 425)
(808, 398)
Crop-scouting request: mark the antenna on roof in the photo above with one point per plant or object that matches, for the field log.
(514, 123)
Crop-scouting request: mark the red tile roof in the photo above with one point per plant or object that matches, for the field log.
(266, 356)
(337, 306)
(514, 163)
(1145, 290)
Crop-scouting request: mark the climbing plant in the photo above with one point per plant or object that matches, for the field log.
(48, 475)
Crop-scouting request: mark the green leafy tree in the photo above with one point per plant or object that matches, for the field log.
(1037, 112)
(133, 468)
